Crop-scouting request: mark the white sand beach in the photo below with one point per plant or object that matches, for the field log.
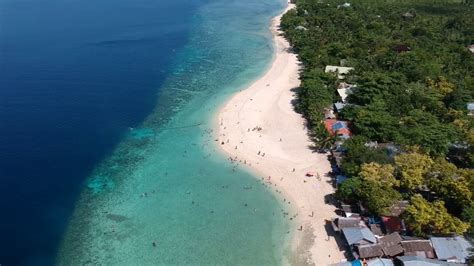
(260, 127)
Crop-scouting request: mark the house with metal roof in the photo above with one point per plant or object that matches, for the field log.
(391, 244)
(344, 90)
(376, 229)
(301, 28)
(369, 251)
(379, 262)
(344, 93)
(339, 106)
(359, 236)
(346, 222)
(451, 249)
(349, 211)
(418, 247)
(418, 261)
(338, 127)
(347, 263)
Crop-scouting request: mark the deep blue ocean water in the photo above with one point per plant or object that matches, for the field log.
(74, 76)
(102, 101)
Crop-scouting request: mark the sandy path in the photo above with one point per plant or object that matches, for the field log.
(267, 103)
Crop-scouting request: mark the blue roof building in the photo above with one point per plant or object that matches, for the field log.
(339, 125)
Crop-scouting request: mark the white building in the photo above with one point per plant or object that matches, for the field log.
(344, 89)
(341, 71)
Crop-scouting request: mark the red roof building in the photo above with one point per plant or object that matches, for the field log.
(338, 128)
(393, 224)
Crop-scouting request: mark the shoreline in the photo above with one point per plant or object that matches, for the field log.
(259, 127)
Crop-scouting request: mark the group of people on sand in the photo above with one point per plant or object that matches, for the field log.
(268, 180)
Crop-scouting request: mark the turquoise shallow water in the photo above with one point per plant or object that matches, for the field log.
(166, 183)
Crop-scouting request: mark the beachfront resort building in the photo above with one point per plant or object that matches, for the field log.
(338, 128)
(339, 70)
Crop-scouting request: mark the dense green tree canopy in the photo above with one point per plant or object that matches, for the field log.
(382, 173)
(412, 168)
(358, 153)
(413, 79)
(376, 196)
(409, 72)
(424, 218)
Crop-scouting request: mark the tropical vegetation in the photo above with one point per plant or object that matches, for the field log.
(413, 80)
